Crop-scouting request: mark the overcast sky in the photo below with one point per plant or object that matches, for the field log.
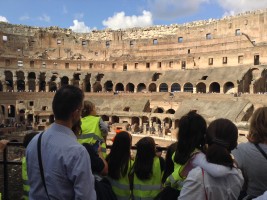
(87, 15)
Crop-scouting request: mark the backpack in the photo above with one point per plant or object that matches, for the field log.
(104, 190)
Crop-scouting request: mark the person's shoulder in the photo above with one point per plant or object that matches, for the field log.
(196, 173)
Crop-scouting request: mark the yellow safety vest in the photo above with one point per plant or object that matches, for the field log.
(148, 189)
(26, 187)
(121, 187)
(91, 132)
(176, 180)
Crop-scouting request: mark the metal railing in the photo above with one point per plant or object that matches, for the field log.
(6, 162)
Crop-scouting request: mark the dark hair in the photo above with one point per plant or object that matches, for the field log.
(258, 126)
(120, 155)
(76, 128)
(222, 137)
(169, 165)
(191, 136)
(144, 158)
(66, 100)
(28, 137)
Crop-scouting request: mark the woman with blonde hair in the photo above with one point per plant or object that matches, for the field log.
(251, 156)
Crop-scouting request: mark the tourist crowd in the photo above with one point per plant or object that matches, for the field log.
(69, 159)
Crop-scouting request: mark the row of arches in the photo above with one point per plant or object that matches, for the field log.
(51, 84)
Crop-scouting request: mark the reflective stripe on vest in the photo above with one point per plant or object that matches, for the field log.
(91, 132)
(121, 187)
(148, 189)
(26, 187)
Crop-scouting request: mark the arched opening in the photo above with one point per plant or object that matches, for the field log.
(64, 81)
(228, 87)
(11, 111)
(130, 87)
(51, 119)
(141, 87)
(9, 81)
(152, 87)
(52, 84)
(201, 87)
(105, 118)
(21, 85)
(1, 86)
(22, 116)
(167, 122)
(42, 82)
(155, 121)
(135, 120)
(119, 87)
(3, 110)
(145, 119)
(31, 81)
(30, 118)
(175, 87)
(108, 86)
(188, 87)
(159, 110)
(97, 87)
(215, 87)
(88, 83)
(170, 111)
(115, 119)
(76, 80)
(176, 123)
(163, 87)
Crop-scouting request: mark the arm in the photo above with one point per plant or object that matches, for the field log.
(80, 174)
(213, 169)
(104, 171)
(193, 188)
(103, 128)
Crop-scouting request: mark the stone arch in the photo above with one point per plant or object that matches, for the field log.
(115, 119)
(32, 81)
(141, 87)
(22, 115)
(168, 122)
(201, 87)
(9, 81)
(108, 86)
(175, 87)
(152, 87)
(135, 120)
(145, 119)
(42, 82)
(163, 87)
(214, 87)
(88, 83)
(11, 111)
(53, 84)
(156, 119)
(64, 81)
(97, 87)
(20, 85)
(159, 110)
(130, 87)
(188, 87)
(170, 111)
(105, 118)
(119, 87)
(76, 80)
(228, 87)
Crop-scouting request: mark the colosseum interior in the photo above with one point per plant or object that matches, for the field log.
(142, 79)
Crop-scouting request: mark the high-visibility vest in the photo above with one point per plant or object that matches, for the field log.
(91, 132)
(121, 187)
(176, 179)
(26, 186)
(148, 189)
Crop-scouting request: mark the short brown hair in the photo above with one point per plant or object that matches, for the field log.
(88, 107)
(258, 126)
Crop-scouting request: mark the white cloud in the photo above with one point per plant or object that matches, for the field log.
(3, 19)
(44, 18)
(171, 9)
(233, 6)
(80, 27)
(24, 17)
(120, 21)
(78, 15)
